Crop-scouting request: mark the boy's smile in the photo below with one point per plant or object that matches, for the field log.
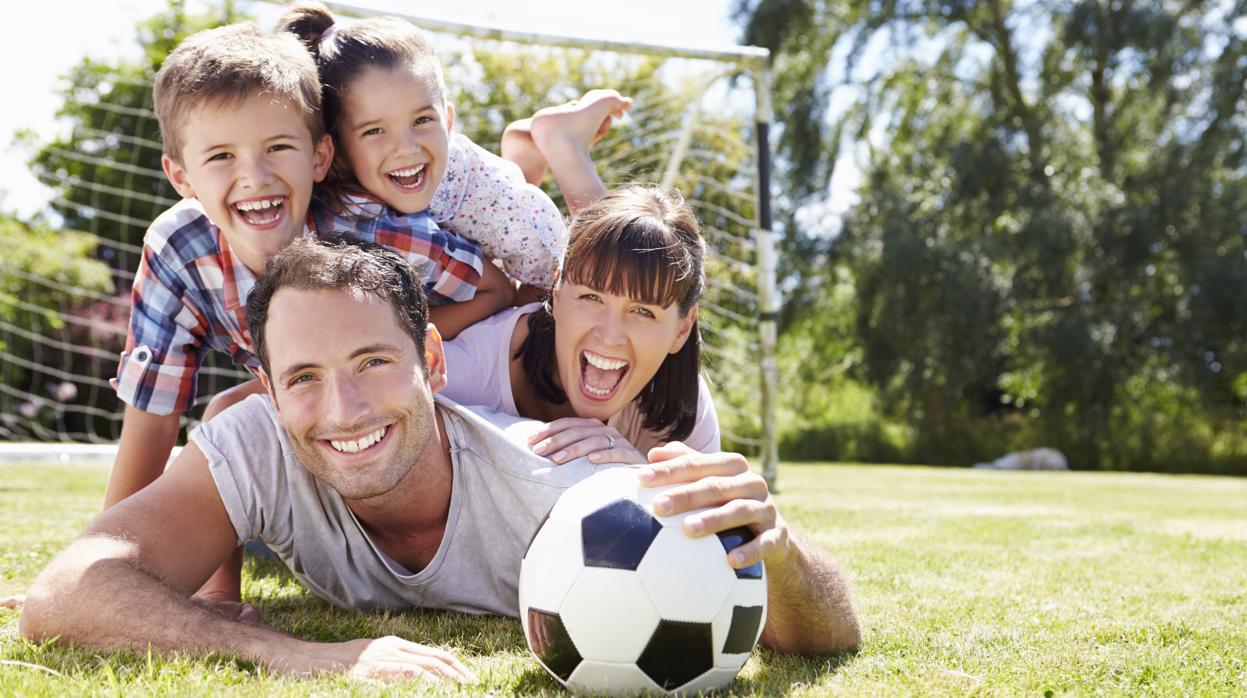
(395, 134)
(252, 165)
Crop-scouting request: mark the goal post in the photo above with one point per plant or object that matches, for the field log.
(696, 128)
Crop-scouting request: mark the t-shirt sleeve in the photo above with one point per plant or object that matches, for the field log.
(245, 458)
(705, 436)
(164, 342)
(472, 363)
(485, 198)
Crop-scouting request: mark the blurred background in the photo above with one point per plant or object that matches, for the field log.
(1005, 225)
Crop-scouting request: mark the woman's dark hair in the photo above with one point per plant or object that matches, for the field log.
(644, 243)
(342, 54)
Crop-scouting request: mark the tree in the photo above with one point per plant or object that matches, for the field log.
(106, 169)
(1049, 240)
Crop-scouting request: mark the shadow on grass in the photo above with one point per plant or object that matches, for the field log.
(778, 673)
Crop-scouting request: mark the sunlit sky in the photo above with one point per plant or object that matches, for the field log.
(43, 45)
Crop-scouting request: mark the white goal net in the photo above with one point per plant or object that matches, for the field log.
(694, 127)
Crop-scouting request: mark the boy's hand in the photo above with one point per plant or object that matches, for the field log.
(734, 494)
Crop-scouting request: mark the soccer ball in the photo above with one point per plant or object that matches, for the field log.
(615, 599)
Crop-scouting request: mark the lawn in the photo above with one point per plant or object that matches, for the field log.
(966, 582)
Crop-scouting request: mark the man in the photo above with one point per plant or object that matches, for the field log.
(375, 494)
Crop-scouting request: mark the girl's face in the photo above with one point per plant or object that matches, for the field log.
(395, 132)
(608, 346)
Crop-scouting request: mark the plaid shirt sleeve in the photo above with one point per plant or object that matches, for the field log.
(451, 265)
(165, 343)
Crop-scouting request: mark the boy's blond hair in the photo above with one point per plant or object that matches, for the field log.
(227, 65)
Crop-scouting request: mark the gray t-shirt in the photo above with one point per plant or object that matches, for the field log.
(501, 492)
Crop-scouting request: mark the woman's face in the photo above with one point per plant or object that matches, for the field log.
(608, 346)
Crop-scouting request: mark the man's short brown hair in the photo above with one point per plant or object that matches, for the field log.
(340, 264)
(227, 65)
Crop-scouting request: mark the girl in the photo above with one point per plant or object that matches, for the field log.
(384, 102)
(612, 359)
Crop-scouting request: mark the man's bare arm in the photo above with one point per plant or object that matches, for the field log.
(809, 607)
(126, 583)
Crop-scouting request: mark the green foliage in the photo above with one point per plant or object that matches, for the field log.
(46, 277)
(106, 168)
(1048, 244)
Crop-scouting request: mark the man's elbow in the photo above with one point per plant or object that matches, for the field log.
(37, 622)
(833, 636)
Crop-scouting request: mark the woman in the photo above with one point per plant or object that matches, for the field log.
(612, 359)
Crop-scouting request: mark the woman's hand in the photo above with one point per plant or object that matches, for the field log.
(570, 438)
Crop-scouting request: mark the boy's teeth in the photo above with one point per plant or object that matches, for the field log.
(359, 444)
(257, 204)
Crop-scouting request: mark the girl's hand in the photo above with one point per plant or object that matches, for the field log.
(572, 437)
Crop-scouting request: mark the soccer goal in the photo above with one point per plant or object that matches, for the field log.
(700, 125)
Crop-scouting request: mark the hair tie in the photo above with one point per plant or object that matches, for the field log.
(329, 30)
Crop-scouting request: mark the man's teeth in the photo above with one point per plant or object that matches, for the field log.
(257, 204)
(359, 444)
(604, 363)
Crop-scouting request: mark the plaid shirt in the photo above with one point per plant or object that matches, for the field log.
(190, 294)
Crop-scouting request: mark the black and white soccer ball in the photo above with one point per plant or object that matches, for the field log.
(615, 599)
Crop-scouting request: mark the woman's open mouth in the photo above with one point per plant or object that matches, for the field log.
(600, 376)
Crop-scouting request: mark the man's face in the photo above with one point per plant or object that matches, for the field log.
(395, 134)
(252, 166)
(349, 388)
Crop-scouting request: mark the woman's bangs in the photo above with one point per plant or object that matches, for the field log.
(655, 272)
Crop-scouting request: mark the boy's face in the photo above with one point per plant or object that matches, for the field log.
(395, 133)
(252, 166)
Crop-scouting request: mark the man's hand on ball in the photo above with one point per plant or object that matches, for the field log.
(733, 495)
(570, 438)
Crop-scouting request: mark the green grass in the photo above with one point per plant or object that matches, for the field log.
(967, 582)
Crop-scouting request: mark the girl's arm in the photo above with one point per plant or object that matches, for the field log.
(493, 293)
